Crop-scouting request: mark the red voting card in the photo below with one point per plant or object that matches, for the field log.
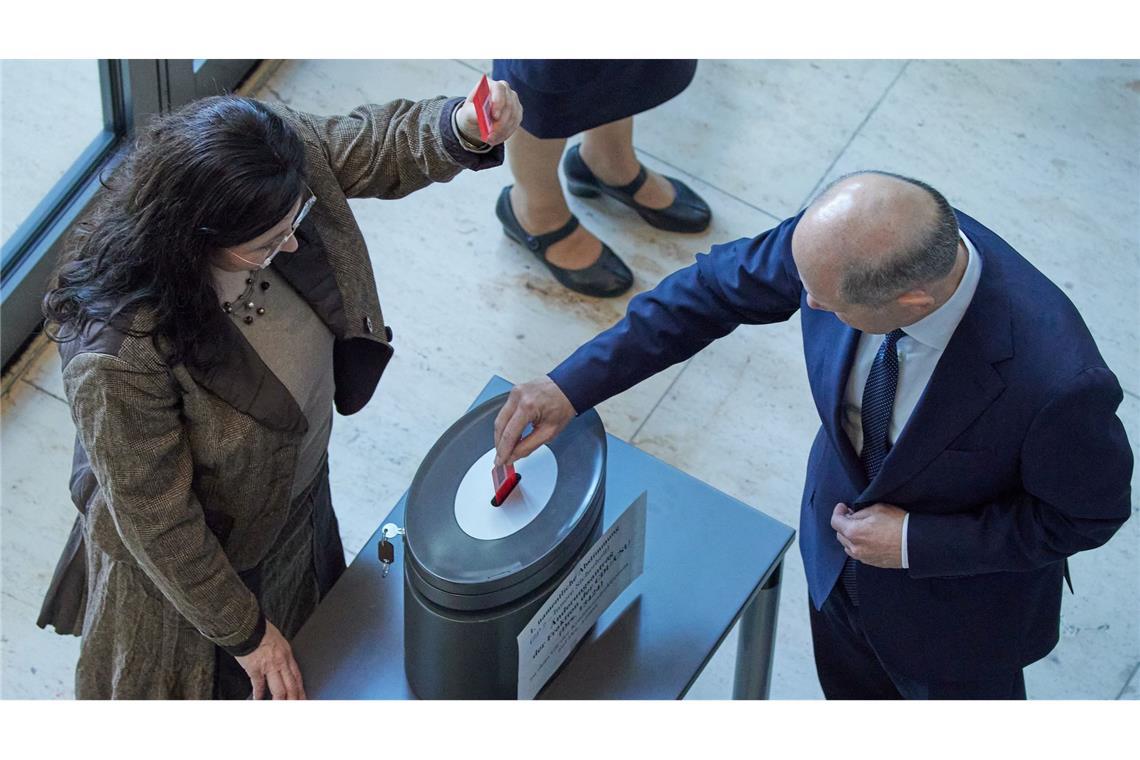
(483, 108)
(504, 479)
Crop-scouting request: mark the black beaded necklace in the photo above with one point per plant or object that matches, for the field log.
(245, 302)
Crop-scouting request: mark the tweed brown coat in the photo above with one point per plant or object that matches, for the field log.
(183, 477)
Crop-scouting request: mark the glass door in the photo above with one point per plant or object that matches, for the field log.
(58, 121)
(62, 125)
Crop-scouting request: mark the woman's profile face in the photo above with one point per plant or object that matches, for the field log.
(258, 252)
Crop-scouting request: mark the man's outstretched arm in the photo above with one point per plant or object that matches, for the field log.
(747, 281)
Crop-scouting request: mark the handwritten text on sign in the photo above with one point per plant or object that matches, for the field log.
(599, 577)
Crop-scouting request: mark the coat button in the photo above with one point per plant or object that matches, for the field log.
(388, 333)
(368, 324)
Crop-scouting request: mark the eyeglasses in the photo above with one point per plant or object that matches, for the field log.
(275, 247)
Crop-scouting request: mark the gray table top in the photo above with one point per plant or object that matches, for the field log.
(706, 554)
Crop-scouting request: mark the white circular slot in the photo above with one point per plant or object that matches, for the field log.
(473, 510)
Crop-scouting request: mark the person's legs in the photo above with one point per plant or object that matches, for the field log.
(539, 203)
(1009, 685)
(608, 152)
(847, 666)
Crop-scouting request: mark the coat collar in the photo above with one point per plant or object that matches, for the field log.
(309, 272)
(239, 376)
(937, 328)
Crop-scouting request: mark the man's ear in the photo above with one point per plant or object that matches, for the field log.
(916, 299)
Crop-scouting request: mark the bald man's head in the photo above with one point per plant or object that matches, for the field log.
(871, 237)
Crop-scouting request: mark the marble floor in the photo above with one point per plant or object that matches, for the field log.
(1046, 153)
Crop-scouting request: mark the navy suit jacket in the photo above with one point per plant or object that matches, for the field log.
(1012, 460)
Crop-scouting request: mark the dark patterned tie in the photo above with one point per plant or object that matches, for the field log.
(878, 403)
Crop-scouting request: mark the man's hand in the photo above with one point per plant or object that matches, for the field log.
(506, 114)
(540, 403)
(273, 662)
(872, 535)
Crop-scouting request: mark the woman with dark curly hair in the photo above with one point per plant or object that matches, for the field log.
(211, 313)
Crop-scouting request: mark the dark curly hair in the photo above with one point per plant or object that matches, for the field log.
(216, 173)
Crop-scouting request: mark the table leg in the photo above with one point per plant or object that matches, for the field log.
(757, 640)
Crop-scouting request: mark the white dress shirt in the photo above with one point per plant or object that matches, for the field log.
(919, 351)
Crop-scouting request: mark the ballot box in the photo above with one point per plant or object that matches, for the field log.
(710, 562)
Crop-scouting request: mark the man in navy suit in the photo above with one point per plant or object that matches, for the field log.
(969, 440)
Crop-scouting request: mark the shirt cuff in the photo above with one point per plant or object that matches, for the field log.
(454, 145)
(468, 145)
(905, 556)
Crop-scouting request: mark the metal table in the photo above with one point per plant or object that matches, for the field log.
(710, 560)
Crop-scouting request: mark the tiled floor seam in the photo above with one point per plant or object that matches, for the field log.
(633, 438)
(46, 392)
(720, 190)
(21, 365)
(7, 596)
(1128, 681)
(467, 65)
(855, 133)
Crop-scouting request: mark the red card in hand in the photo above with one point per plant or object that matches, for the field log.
(483, 108)
(504, 479)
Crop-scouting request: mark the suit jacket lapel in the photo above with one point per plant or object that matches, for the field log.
(829, 355)
(964, 385)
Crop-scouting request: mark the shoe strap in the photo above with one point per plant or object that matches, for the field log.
(634, 186)
(539, 242)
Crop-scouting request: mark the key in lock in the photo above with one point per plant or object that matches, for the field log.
(386, 550)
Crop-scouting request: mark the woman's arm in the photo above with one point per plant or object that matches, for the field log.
(392, 149)
(128, 422)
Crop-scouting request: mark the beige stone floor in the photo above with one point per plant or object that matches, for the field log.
(1046, 153)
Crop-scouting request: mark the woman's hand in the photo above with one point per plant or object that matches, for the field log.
(506, 114)
(272, 662)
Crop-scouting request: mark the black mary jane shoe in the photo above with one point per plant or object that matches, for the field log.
(605, 278)
(687, 213)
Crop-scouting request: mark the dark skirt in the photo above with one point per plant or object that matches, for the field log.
(561, 98)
